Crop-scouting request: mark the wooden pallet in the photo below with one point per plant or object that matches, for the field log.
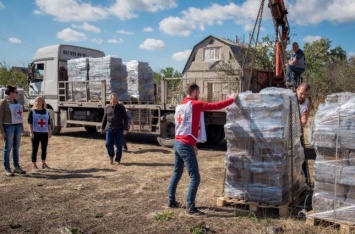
(328, 218)
(283, 210)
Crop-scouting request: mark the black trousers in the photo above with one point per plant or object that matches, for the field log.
(39, 137)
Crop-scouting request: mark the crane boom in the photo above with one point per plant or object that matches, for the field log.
(279, 14)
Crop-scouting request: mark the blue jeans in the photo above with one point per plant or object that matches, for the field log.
(114, 138)
(296, 73)
(185, 155)
(12, 142)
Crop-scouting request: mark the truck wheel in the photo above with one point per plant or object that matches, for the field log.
(55, 129)
(167, 130)
(91, 129)
(215, 134)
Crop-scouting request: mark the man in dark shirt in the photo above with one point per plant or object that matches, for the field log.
(115, 123)
(296, 65)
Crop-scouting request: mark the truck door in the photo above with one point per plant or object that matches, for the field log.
(37, 84)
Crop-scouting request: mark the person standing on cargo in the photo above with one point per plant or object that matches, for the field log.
(115, 124)
(11, 129)
(296, 65)
(40, 131)
(190, 129)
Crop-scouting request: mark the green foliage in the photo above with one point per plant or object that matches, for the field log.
(15, 225)
(99, 215)
(265, 54)
(197, 230)
(328, 71)
(164, 216)
(13, 76)
(40, 195)
(167, 72)
(74, 230)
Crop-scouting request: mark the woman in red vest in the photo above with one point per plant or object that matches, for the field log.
(40, 131)
(11, 129)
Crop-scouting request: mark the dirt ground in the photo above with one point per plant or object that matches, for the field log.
(83, 193)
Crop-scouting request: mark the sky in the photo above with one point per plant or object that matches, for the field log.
(160, 32)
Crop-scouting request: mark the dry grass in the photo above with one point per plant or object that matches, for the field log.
(83, 193)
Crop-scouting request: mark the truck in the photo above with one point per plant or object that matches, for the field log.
(48, 77)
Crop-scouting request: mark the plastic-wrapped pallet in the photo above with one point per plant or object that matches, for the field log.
(109, 69)
(338, 110)
(140, 80)
(334, 168)
(114, 72)
(259, 163)
(78, 69)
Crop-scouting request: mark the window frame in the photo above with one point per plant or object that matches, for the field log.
(212, 54)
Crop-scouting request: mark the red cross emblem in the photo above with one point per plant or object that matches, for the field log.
(19, 112)
(179, 119)
(41, 122)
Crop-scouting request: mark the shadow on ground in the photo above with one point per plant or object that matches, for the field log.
(55, 174)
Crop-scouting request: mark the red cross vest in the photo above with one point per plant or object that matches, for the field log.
(16, 113)
(183, 122)
(40, 122)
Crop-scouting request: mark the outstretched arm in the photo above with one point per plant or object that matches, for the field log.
(218, 105)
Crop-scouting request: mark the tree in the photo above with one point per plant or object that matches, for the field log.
(265, 54)
(327, 71)
(168, 72)
(12, 75)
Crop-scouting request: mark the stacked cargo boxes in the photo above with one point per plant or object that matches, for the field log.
(108, 68)
(113, 71)
(140, 81)
(264, 153)
(334, 169)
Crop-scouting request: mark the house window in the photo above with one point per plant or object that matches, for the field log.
(212, 54)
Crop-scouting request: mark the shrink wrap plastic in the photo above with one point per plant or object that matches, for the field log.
(334, 168)
(130, 80)
(259, 164)
(140, 80)
(108, 68)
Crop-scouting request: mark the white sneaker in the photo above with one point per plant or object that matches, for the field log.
(8, 172)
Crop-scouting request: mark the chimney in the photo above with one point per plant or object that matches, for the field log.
(236, 39)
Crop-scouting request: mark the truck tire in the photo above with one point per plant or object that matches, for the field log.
(167, 130)
(55, 129)
(215, 134)
(91, 129)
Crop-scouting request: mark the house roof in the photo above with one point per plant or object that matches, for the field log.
(237, 49)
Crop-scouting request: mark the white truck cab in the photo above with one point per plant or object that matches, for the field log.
(49, 66)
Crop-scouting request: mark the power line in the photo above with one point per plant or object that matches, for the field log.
(21, 46)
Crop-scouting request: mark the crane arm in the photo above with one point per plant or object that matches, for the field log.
(279, 15)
